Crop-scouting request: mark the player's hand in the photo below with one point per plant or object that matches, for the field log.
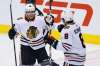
(12, 33)
(49, 19)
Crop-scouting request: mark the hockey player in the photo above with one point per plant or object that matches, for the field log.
(32, 29)
(71, 41)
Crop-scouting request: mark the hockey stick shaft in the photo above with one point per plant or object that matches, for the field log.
(13, 39)
(50, 48)
(50, 2)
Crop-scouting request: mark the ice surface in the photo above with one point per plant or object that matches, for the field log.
(7, 53)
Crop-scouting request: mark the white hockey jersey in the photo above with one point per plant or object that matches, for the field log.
(32, 33)
(73, 45)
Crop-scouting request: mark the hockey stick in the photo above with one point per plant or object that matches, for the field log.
(50, 48)
(12, 27)
(51, 5)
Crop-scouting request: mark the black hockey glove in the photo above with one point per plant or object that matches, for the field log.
(55, 43)
(51, 41)
(11, 33)
(48, 40)
(60, 27)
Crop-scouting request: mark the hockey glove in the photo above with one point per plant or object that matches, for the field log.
(11, 33)
(60, 27)
(49, 19)
(55, 43)
(51, 41)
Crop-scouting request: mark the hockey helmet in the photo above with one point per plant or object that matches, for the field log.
(67, 15)
(29, 7)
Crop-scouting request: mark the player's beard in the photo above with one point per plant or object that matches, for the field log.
(30, 17)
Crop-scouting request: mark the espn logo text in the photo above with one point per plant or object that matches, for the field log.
(86, 7)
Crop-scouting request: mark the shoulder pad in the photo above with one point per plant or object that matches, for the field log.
(19, 18)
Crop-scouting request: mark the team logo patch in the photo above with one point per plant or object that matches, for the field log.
(32, 32)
